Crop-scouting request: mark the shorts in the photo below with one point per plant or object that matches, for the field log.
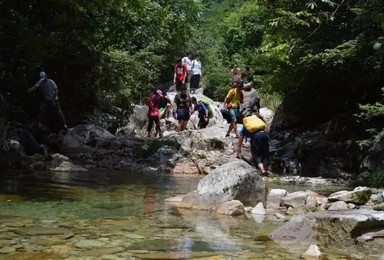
(179, 85)
(233, 113)
(182, 115)
(260, 148)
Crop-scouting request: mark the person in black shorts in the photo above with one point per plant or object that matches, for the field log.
(184, 108)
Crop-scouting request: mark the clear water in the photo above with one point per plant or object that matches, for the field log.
(119, 215)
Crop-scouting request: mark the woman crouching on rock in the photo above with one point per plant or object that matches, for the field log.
(253, 128)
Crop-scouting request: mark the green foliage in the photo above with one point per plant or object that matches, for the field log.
(372, 113)
(375, 179)
(122, 47)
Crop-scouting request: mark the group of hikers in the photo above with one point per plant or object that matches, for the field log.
(242, 104)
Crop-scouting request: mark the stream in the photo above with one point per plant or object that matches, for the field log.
(120, 215)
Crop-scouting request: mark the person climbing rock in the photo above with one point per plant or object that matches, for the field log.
(235, 72)
(165, 106)
(251, 102)
(232, 102)
(180, 74)
(50, 112)
(202, 111)
(153, 103)
(254, 129)
(184, 108)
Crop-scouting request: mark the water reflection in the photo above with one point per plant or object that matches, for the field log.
(124, 213)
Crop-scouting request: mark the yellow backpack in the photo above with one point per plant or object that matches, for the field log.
(253, 124)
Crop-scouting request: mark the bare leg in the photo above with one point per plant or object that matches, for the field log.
(229, 128)
(235, 128)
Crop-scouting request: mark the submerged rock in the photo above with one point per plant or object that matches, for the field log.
(274, 198)
(329, 227)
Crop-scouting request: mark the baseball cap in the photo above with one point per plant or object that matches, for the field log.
(43, 75)
(159, 92)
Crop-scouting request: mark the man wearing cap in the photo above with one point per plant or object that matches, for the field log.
(50, 105)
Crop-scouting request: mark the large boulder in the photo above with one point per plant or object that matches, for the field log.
(329, 227)
(236, 180)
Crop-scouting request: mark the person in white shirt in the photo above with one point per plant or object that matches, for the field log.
(196, 69)
(187, 60)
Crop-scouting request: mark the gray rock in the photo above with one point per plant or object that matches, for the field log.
(351, 206)
(327, 227)
(259, 209)
(236, 180)
(274, 198)
(295, 199)
(338, 205)
(359, 195)
(231, 208)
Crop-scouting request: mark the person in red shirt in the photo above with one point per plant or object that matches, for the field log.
(180, 74)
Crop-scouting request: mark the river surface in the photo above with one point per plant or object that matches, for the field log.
(119, 215)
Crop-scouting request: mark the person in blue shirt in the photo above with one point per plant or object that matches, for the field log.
(203, 113)
(259, 147)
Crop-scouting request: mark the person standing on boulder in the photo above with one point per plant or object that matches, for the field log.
(153, 104)
(184, 108)
(180, 74)
(251, 102)
(259, 146)
(232, 102)
(202, 111)
(50, 109)
(187, 61)
(196, 69)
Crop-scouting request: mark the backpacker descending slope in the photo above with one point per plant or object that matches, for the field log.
(253, 128)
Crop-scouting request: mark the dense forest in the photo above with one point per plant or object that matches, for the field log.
(321, 58)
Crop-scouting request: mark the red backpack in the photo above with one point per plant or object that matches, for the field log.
(153, 105)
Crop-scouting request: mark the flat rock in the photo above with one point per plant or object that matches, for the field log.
(89, 243)
(359, 195)
(296, 199)
(338, 205)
